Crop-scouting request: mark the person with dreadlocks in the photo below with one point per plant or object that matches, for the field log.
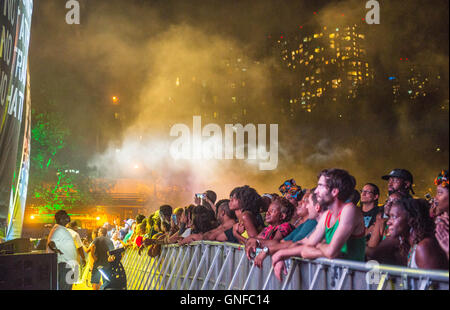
(441, 210)
(409, 221)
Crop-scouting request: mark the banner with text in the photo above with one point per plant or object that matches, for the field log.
(15, 25)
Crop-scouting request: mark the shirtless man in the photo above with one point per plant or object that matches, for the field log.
(340, 232)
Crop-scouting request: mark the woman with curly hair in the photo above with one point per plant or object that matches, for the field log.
(441, 201)
(278, 216)
(246, 203)
(409, 221)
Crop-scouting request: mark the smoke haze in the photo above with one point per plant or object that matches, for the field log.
(170, 60)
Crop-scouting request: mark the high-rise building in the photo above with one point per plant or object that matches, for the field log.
(414, 81)
(327, 64)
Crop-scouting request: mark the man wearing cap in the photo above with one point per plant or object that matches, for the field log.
(401, 181)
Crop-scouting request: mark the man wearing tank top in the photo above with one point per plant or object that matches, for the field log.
(340, 232)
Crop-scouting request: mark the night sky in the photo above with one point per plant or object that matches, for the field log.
(137, 49)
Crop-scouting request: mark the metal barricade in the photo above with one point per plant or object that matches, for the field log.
(206, 265)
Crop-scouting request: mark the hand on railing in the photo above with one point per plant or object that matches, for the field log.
(250, 248)
(279, 268)
(259, 259)
(278, 264)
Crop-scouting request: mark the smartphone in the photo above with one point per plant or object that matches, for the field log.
(201, 196)
(174, 219)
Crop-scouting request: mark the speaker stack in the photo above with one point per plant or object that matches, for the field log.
(21, 269)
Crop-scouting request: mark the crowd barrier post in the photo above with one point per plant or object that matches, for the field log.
(225, 266)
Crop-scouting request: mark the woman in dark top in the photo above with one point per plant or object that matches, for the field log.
(246, 203)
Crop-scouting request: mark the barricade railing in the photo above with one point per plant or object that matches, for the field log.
(207, 265)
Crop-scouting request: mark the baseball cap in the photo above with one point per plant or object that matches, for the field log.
(399, 173)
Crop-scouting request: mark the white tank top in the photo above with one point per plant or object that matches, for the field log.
(412, 258)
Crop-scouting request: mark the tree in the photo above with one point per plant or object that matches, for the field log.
(58, 179)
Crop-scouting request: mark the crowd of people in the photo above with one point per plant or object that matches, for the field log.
(332, 220)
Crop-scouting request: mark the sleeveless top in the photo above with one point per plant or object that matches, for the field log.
(270, 231)
(354, 248)
(259, 223)
(412, 257)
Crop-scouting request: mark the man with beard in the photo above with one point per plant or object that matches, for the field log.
(342, 227)
(400, 180)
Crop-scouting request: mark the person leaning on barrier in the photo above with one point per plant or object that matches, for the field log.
(441, 210)
(246, 203)
(270, 247)
(226, 219)
(341, 227)
(278, 216)
(409, 221)
(203, 220)
(382, 247)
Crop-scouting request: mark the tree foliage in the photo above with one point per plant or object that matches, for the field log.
(59, 177)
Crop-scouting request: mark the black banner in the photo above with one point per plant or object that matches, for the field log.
(15, 24)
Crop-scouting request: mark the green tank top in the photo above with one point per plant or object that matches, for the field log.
(353, 249)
